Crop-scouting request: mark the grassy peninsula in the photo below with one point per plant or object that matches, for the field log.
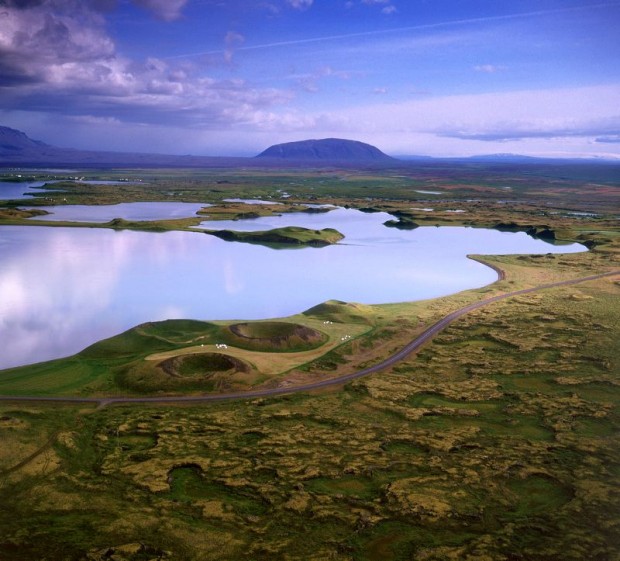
(287, 236)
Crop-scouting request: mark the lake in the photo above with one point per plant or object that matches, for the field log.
(128, 211)
(62, 289)
(24, 190)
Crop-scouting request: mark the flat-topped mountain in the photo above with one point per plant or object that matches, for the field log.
(327, 149)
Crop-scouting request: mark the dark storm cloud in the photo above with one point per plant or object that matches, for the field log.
(20, 4)
(56, 56)
(38, 35)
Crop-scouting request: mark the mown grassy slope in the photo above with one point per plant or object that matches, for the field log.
(122, 364)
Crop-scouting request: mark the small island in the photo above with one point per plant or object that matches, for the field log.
(406, 220)
(287, 236)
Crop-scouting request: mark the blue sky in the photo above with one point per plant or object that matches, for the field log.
(231, 77)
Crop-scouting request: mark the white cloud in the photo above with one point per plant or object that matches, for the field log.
(388, 8)
(388, 44)
(609, 139)
(91, 120)
(300, 4)
(269, 8)
(488, 68)
(232, 41)
(539, 122)
(309, 82)
(167, 10)
(517, 114)
(548, 121)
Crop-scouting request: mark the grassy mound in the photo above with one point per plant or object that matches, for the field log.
(119, 364)
(342, 312)
(274, 336)
(204, 372)
(199, 365)
(151, 337)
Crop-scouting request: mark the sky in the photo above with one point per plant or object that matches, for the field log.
(232, 77)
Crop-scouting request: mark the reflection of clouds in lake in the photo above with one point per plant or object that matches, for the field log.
(13, 293)
(60, 290)
(63, 289)
(439, 277)
(48, 305)
(232, 282)
(127, 211)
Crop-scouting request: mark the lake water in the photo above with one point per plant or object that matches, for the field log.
(252, 201)
(128, 211)
(62, 289)
(25, 190)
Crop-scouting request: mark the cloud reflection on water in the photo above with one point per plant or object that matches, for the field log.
(61, 289)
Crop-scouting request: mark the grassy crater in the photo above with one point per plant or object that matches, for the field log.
(202, 372)
(202, 365)
(274, 336)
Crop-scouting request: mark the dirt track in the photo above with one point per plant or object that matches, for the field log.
(339, 380)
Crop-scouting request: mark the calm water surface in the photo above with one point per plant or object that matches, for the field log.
(62, 289)
(252, 201)
(25, 190)
(128, 211)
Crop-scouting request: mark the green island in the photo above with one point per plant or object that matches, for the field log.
(290, 235)
(499, 439)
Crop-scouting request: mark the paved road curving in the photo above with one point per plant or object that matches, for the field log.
(339, 380)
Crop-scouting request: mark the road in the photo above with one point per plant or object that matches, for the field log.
(339, 380)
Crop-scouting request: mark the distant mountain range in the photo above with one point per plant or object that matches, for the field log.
(14, 140)
(481, 158)
(17, 149)
(509, 159)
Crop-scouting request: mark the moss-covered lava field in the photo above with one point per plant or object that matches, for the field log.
(499, 440)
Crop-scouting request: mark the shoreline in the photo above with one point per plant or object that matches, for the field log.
(410, 348)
